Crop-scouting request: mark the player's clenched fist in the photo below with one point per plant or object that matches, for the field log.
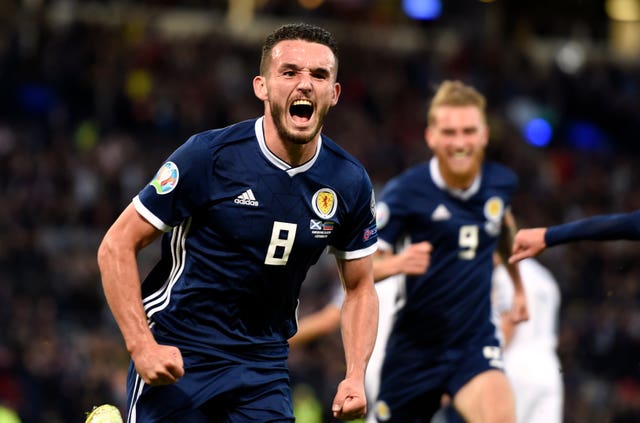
(350, 401)
(416, 258)
(158, 364)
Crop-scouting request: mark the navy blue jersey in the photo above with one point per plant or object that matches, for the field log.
(445, 306)
(604, 227)
(442, 334)
(243, 227)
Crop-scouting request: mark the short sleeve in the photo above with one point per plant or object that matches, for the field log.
(390, 213)
(359, 234)
(180, 186)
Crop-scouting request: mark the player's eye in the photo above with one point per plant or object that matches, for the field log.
(320, 75)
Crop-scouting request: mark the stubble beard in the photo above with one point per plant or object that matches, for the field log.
(464, 177)
(278, 117)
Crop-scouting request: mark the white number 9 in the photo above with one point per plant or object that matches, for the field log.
(469, 241)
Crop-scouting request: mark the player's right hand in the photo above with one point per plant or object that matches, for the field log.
(158, 364)
(416, 258)
(350, 401)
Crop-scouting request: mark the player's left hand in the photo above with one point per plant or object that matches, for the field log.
(350, 401)
(520, 310)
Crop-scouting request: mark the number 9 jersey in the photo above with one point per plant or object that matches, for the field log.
(242, 229)
(444, 314)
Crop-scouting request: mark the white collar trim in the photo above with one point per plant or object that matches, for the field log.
(463, 194)
(275, 160)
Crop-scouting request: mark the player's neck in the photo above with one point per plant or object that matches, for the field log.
(292, 153)
(459, 182)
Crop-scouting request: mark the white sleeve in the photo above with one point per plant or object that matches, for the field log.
(502, 290)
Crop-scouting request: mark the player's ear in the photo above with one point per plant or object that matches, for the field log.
(485, 135)
(336, 93)
(260, 88)
(427, 137)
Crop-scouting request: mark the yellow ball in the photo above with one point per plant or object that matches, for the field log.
(105, 413)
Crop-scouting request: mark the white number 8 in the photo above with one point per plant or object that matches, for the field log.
(285, 244)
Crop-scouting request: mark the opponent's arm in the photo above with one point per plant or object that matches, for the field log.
(359, 325)
(117, 253)
(502, 299)
(520, 310)
(508, 328)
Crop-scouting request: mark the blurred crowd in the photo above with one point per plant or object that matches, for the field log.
(89, 112)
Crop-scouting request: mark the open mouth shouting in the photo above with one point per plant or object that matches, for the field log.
(301, 123)
(301, 111)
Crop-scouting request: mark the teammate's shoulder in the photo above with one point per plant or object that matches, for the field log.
(497, 167)
(413, 176)
(222, 136)
(336, 151)
(500, 172)
(334, 148)
(416, 174)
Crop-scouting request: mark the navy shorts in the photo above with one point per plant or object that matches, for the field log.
(411, 386)
(214, 390)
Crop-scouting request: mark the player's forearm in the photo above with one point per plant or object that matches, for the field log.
(508, 328)
(601, 227)
(507, 235)
(385, 264)
(514, 273)
(121, 285)
(315, 325)
(359, 328)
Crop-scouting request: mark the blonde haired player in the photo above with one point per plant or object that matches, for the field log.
(442, 340)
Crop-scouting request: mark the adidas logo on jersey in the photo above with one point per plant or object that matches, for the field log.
(441, 213)
(247, 198)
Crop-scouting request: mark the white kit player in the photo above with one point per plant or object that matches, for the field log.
(387, 293)
(531, 362)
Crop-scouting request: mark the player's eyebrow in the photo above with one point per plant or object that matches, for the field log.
(319, 71)
(464, 130)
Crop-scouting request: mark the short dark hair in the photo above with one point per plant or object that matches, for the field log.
(296, 31)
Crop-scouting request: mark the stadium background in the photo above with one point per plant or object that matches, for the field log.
(95, 94)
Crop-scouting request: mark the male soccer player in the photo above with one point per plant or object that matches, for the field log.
(604, 227)
(245, 211)
(443, 340)
(530, 358)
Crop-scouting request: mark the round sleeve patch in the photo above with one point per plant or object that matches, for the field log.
(382, 215)
(166, 179)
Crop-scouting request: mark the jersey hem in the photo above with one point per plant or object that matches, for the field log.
(352, 255)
